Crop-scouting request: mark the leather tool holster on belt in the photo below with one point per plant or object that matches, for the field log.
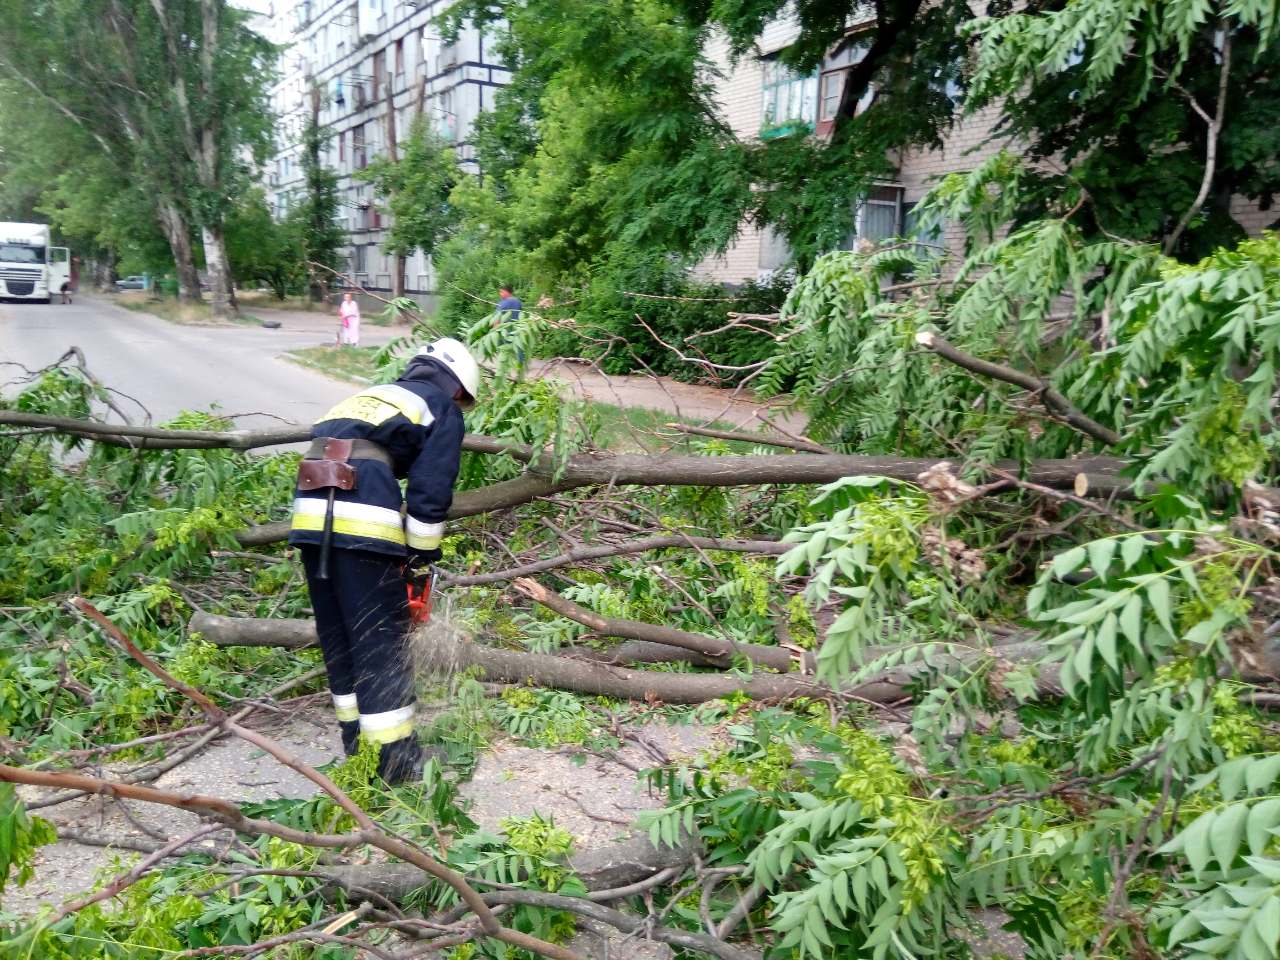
(324, 467)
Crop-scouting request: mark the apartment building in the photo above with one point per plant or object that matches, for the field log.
(348, 51)
(760, 97)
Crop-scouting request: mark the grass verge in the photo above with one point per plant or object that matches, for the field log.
(354, 364)
(175, 311)
(621, 429)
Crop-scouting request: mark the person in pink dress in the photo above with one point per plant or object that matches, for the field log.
(349, 314)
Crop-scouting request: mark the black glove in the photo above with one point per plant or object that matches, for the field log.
(425, 558)
(417, 570)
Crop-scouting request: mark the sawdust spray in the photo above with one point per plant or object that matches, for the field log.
(435, 646)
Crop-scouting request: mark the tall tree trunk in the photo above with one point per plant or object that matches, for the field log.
(174, 225)
(397, 269)
(220, 285)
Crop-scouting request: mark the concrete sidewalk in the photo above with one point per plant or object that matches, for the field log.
(323, 323)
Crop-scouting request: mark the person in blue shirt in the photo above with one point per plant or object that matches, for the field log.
(509, 307)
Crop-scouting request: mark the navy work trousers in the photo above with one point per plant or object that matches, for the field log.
(362, 618)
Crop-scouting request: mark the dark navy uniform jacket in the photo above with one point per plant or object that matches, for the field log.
(416, 421)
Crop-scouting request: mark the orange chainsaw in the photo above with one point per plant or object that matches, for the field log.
(420, 603)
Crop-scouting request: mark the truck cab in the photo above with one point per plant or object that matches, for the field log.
(31, 268)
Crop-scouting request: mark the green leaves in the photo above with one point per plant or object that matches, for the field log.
(864, 553)
(20, 835)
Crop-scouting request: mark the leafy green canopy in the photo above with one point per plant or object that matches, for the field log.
(417, 189)
(1180, 360)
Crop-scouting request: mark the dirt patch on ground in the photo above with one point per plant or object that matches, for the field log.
(230, 768)
(596, 800)
(687, 401)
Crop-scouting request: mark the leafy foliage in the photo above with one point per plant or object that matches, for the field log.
(416, 188)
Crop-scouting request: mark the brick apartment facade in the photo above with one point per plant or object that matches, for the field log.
(750, 96)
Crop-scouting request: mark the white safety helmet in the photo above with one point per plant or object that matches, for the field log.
(457, 359)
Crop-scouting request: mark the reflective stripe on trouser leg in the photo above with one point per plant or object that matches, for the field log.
(335, 641)
(345, 706)
(387, 727)
(375, 610)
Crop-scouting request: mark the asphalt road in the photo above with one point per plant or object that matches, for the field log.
(169, 367)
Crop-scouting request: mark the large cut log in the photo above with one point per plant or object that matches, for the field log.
(252, 632)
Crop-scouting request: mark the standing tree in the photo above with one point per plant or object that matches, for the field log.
(416, 187)
(173, 92)
(315, 219)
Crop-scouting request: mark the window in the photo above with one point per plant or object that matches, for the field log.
(832, 87)
(379, 72)
(342, 145)
(775, 252)
(361, 252)
(400, 57)
(21, 253)
(878, 216)
(359, 156)
(929, 234)
(788, 101)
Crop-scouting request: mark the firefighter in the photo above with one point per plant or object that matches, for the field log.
(360, 539)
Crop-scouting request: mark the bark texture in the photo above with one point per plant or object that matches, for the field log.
(178, 233)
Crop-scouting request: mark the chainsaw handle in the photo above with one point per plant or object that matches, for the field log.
(420, 605)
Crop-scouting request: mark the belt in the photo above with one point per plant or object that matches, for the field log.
(360, 450)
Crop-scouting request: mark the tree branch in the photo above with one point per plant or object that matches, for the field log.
(775, 658)
(627, 923)
(1211, 143)
(1054, 402)
(794, 444)
(599, 551)
(163, 438)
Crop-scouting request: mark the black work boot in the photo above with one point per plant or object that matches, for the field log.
(401, 761)
(350, 736)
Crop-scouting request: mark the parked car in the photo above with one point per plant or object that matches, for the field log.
(132, 283)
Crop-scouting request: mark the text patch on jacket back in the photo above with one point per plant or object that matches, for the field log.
(379, 404)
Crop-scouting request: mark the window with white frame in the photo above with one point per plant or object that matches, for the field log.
(788, 100)
(878, 215)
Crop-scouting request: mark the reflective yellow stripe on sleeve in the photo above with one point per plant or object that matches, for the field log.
(422, 536)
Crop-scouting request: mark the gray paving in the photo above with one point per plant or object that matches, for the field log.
(170, 367)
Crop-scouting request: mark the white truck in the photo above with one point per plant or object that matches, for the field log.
(30, 267)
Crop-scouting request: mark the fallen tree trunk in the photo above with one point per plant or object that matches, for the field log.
(296, 634)
(166, 438)
(545, 670)
(1102, 475)
(253, 632)
(719, 651)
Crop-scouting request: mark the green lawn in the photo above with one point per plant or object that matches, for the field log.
(343, 363)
